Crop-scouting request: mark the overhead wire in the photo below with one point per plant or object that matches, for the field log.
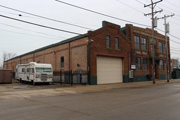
(172, 3)
(39, 25)
(99, 13)
(44, 17)
(29, 34)
(30, 30)
(129, 6)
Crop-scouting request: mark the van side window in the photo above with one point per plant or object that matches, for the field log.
(23, 69)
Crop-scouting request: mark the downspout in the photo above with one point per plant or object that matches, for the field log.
(69, 56)
(88, 60)
(34, 57)
(20, 60)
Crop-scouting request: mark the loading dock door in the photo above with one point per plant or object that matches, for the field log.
(109, 70)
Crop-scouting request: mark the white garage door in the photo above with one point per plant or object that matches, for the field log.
(109, 70)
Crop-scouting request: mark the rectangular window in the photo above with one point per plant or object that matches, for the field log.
(23, 69)
(161, 65)
(108, 44)
(145, 64)
(137, 42)
(62, 62)
(117, 43)
(138, 63)
(160, 47)
(144, 43)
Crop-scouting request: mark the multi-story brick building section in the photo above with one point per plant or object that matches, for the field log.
(108, 53)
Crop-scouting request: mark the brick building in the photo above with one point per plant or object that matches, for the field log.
(107, 53)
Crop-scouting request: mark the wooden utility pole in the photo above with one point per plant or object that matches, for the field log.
(152, 5)
(166, 31)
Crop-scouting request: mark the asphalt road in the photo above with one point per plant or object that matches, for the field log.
(155, 102)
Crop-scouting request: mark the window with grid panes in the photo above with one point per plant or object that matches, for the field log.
(138, 63)
(137, 42)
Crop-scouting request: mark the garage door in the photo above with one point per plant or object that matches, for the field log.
(109, 70)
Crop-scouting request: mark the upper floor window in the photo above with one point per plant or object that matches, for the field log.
(138, 63)
(144, 43)
(161, 65)
(137, 42)
(145, 64)
(117, 43)
(160, 47)
(62, 62)
(108, 44)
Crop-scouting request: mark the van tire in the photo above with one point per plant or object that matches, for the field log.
(33, 83)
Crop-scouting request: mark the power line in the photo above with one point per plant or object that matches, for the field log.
(101, 13)
(174, 41)
(39, 25)
(28, 34)
(107, 15)
(169, 34)
(172, 4)
(44, 17)
(175, 50)
(30, 30)
(139, 2)
(130, 6)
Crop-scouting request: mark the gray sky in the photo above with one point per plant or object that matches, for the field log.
(19, 38)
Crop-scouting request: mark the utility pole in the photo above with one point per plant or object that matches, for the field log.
(166, 31)
(153, 4)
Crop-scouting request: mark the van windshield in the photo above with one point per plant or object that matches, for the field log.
(43, 70)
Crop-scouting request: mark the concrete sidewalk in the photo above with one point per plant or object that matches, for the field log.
(94, 88)
(57, 90)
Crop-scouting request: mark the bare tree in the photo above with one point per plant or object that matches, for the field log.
(7, 55)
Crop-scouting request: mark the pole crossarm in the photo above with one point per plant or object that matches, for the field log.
(153, 12)
(166, 16)
(153, 3)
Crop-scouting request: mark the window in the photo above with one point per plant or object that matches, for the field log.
(160, 47)
(108, 44)
(32, 70)
(62, 62)
(41, 70)
(165, 48)
(117, 43)
(138, 63)
(137, 42)
(161, 65)
(23, 69)
(144, 43)
(145, 64)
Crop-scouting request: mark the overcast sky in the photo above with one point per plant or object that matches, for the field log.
(19, 38)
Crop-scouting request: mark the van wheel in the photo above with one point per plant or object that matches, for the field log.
(33, 83)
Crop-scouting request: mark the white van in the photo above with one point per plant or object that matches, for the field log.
(34, 72)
